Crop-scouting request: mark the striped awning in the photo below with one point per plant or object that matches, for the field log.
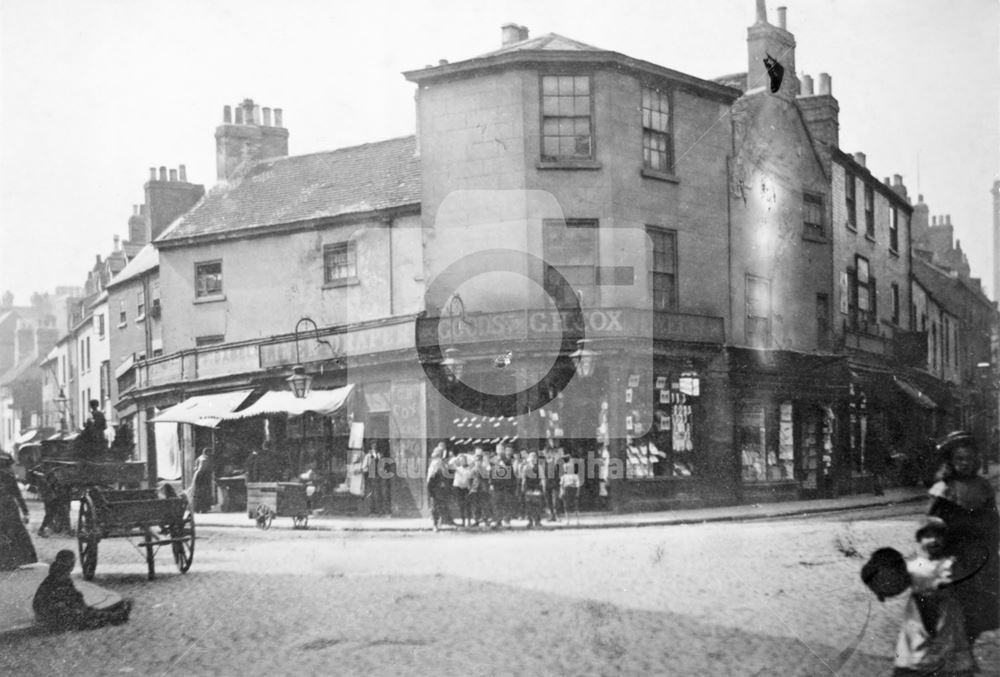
(203, 410)
(322, 402)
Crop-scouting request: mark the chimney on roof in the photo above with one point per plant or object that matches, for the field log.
(764, 40)
(807, 85)
(165, 201)
(510, 33)
(822, 115)
(860, 158)
(137, 233)
(782, 14)
(248, 140)
(117, 241)
(899, 187)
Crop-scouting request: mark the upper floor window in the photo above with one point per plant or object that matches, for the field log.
(140, 304)
(122, 313)
(869, 212)
(894, 290)
(208, 279)
(822, 322)
(566, 126)
(657, 146)
(758, 319)
(863, 294)
(99, 325)
(663, 268)
(893, 229)
(340, 263)
(812, 214)
(571, 247)
(851, 200)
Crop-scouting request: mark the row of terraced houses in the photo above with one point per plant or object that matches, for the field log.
(751, 313)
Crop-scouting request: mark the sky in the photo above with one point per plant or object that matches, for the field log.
(93, 94)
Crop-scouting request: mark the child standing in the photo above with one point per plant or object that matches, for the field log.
(932, 637)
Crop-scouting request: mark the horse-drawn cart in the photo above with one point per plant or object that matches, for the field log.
(142, 514)
(267, 500)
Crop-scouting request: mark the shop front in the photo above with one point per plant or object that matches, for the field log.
(786, 424)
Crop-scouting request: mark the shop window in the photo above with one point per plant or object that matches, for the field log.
(766, 442)
(758, 316)
(657, 148)
(663, 268)
(816, 447)
(571, 246)
(566, 124)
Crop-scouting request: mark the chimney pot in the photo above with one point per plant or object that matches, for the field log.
(887, 181)
(277, 117)
(897, 180)
(860, 158)
(239, 116)
(761, 12)
(948, 219)
(825, 84)
(781, 17)
(256, 115)
(227, 114)
(522, 33)
(442, 62)
(247, 107)
(933, 220)
(807, 85)
(920, 197)
(173, 175)
(152, 173)
(135, 210)
(509, 34)
(182, 170)
(116, 239)
(163, 173)
(267, 117)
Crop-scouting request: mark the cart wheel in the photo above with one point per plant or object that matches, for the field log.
(184, 549)
(264, 516)
(87, 536)
(300, 522)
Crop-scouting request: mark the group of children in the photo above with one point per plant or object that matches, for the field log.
(490, 489)
(953, 576)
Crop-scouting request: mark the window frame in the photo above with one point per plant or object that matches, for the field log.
(869, 212)
(894, 230)
(662, 94)
(140, 304)
(851, 200)
(673, 304)
(575, 157)
(122, 313)
(749, 318)
(566, 268)
(206, 293)
(810, 229)
(350, 247)
(895, 301)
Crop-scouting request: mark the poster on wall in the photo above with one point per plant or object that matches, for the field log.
(661, 382)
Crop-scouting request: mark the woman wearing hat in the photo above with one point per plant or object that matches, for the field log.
(15, 543)
(966, 502)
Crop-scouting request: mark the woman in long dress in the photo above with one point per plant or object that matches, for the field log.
(201, 487)
(16, 547)
(966, 501)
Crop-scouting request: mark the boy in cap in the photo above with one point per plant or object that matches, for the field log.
(932, 637)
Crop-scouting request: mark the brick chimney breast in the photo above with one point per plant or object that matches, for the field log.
(247, 140)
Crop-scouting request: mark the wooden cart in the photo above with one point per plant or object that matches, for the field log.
(79, 476)
(141, 514)
(267, 500)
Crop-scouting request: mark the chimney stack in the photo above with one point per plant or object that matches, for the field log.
(510, 33)
(860, 158)
(763, 39)
(117, 241)
(165, 201)
(825, 84)
(250, 139)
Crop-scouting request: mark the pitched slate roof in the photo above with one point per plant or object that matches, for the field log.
(277, 191)
(552, 42)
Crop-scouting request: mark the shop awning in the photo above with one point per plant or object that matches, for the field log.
(29, 435)
(203, 410)
(915, 394)
(322, 402)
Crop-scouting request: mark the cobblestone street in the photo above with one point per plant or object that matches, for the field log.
(774, 598)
